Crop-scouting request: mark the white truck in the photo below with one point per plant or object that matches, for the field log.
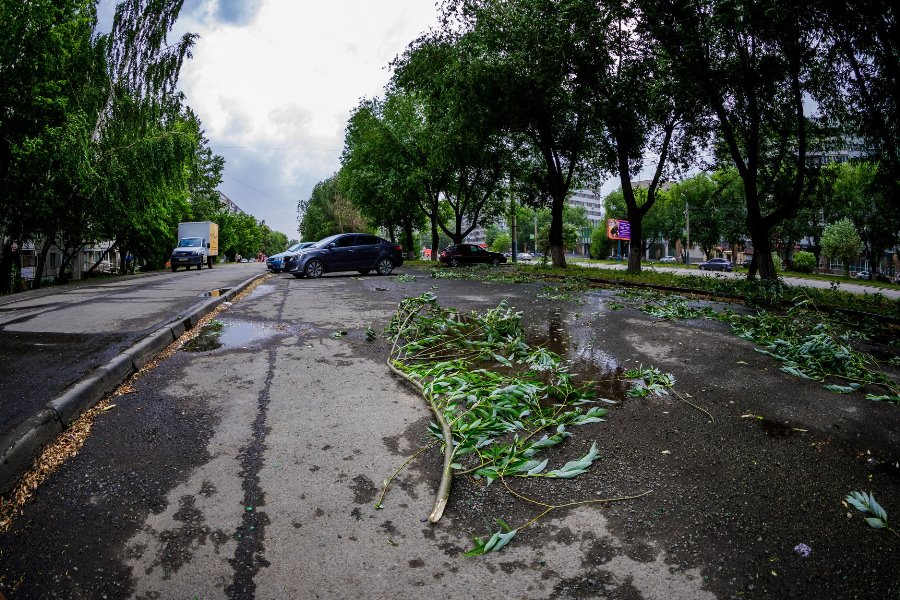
(198, 243)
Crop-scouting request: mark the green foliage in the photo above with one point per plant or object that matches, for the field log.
(866, 504)
(502, 243)
(778, 264)
(502, 421)
(804, 262)
(810, 345)
(649, 381)
(327, 212)
(600, 244)
(840, 240)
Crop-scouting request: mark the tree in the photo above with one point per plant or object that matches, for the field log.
(860, 87)
(841, 241)
(753, 62)
(50, 65)
(377, 174)
(536, 63)
(467, 151)
(856, 189)
(600, 243)
(502, 243)
(644, 113)
(327, 212)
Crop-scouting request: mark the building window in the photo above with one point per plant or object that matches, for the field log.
(53, 260)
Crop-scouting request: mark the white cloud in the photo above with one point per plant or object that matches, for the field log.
(274, 87)
(274, 82)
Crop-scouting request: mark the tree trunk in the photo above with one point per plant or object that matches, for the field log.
(555, 238)
(435, 238)
(39, 267)
(762, 262)
(408, 233)
(6, 268)
(634, 244)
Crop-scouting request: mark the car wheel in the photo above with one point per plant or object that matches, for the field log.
(314, 269)
(364, 271)
(384, 266)
(454, 262)
(200, 267)
(174, 268)
(496, 262)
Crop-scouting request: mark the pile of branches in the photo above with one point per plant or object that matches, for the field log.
(498, 403)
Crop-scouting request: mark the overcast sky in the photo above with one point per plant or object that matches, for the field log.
(274, 82)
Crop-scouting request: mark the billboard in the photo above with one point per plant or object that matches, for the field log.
(617, 229)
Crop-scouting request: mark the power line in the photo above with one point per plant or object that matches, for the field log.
(288, 148)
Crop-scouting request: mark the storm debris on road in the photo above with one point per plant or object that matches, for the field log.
(499, 403)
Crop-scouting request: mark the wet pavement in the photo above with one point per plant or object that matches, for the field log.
(248, 466)
(55, 337)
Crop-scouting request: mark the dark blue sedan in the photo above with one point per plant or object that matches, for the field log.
(362, 252)
(716, 264)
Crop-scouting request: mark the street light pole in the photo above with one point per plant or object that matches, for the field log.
(687, 222)
(512, 220)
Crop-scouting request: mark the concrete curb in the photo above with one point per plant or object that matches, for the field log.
(21, 446)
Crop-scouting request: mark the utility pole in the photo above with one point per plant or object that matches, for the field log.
(512, 219)
(687, 222)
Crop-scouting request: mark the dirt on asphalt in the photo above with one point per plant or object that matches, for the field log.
(251, 469)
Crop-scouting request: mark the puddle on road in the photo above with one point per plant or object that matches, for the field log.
(575, 333)
(262, 290)
(215, 293)
(230, 334)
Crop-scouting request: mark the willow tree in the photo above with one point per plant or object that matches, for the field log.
(466, 148)
(537, 64)
(143, 143)
(48, 97)
(753, 63)
(378, 174)
(647, 118)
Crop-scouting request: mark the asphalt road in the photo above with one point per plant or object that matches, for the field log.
(247, 465)
(54, 337)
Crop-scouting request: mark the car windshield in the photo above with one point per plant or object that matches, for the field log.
(324, 243)
(190, 243)
(296, 247)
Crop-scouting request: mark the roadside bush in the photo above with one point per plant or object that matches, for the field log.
(776, 260)
(804, 262)
(600, 244)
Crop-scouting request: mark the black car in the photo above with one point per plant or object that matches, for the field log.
(459, 255)
(361, 252)
(716, 264)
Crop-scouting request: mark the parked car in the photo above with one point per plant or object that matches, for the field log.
(524, 256)
(459, 255)
(275, 263)
(746, 262)
(667, 259)
(862, 275)
(716, 264)
(361, 252)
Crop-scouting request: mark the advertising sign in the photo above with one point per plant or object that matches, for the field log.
(617, 229)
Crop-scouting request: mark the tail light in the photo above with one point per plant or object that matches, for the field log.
(398, 248)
